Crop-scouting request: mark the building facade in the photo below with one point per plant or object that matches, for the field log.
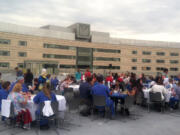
(63, 49)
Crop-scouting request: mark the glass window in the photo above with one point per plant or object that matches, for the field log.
(174, 61)
(134, 60)
(20, 65)
(174, 69)
(146, 68)
(5, 41)
(106, 67)
(160, 53)
(23, 43)
(160, 61)
(174, 54)
(146, 53)
(106, 59)
(4, 64)
(22, 54)
(134, 68)
(67, 66)
(146, 60)
(56, 56)
(159, 68)
(4, 53)
(106, 50)
(134, 52)
(59, 46)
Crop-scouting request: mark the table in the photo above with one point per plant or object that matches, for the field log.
(75, 87)
(33, 107)
(167, 96)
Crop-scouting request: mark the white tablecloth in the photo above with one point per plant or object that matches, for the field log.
(75, 87)
(33, 107)
(167, 96)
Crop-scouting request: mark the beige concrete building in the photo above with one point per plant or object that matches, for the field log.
(66, 48)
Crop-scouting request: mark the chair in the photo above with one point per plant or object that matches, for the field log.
(53, 118)
(155, 98)
(98, 102)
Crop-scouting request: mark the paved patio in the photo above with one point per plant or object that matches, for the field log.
(153, 123)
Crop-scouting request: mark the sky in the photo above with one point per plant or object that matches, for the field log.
(157, 20)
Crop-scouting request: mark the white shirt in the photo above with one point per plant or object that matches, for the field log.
(159, 88)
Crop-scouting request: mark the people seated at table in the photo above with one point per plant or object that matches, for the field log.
(19, 99)
(20, 79)
(4, 91)
(174, 100)
(159, 87)
(101, 90)
(64, 84)
(85, 94)
(42, 96)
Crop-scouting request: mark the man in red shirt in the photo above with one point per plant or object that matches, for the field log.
(87, 73)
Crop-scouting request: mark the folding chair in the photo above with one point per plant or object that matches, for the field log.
(53, 118)
(99, 102)
(155, 98)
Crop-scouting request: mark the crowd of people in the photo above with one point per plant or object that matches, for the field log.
(124, 84)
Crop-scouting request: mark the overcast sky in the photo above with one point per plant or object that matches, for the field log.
(135, 19)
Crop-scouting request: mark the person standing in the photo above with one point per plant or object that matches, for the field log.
(78, 75)
(87, 73)
(28, 78)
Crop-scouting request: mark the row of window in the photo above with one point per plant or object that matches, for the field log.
(158, 68)
(7, 53)
(56, 56)
(106, 67)
(157, 53)
(157, 61)
(8, 42)
(106, 59)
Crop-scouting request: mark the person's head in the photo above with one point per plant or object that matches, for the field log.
(87, 70)
(100, 79)
(46, 90)
(78, 70)
(35, 80)
(159, 80)
(165, 70)
(117, 83)
(28, 71)
(89, 79)
(178, 83)
(6, 85)
(16, 68)
(17, 87)
(20, 79)
(43, 72)
(48, 76)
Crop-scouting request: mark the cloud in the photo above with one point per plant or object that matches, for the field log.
(138, 19)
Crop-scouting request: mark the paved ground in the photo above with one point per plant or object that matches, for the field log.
(153, 123)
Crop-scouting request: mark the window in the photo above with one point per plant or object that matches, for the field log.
(174, 54)
(160, 53)
(134, 60)
(159, 68)
(5, 41)
(20, 65)
(59, 46)
(134, 68)
(4, 65)
(146, 68)
(4, 53)
(174, 61)
(106, 50)
(146, 60)
(160, 61)
(23, 43)
(106, 67)
(174, 69)
(67, 66)
(106, 59)
(146, 53)
(22, 54)
(56, 56)
(134, 52)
